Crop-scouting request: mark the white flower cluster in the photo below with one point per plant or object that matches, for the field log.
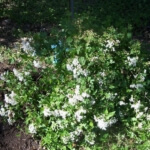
(132, 61)
(38, 64)
(59, 124)
(78, 113)
(72, 136)
(136, 106)
(136, 86)
(73, 99)
(56, 113)
(90, 138)
(2, 76)
(103, 124)
(110, 45)
(26, 46)
(32, 128)
(10, 99)
(7, 113)
(20, 75)
(75, 67)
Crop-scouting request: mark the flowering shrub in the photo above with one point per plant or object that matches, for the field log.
(98, 83)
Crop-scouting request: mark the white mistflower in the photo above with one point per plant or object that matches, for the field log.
(78, 113)
(2, 111)
(131, 99)
(148, 117)
(65, 139)
(101, 123)
(46, 112)
(76, 68)
(63, 113)
(10, 121)
(10, 115)
(132, 86)
(26, 73)
(109, 44)
(37, 64)
(122, 103)
(32, 128)
(90, 138)
(18, 74)
(139, 115)
(132, 61)
(10, 99)
(112, 121)
(75, 61)
(26, 46)
(69, 67)
(140, 125)
(136, 106)
(77, 89)
(2, 76)
(138, 86)
(84, 94)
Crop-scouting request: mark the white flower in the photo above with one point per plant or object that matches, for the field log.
(65, 140)
(69, 67)
(26, 73)
(84, 94)
(138, 86)
(2, 76)
(10, 121)
(37, 64)
(139, 115)
(132, 86)
(140, 125)
(122, 103)
(32, 128)
(75, 61)
(10, 99)
(10, 115)
(131, 99)
(148, 117)
(136, 106)
(90, 138)
(72, 101)
(132, 61)
(46, 112)
(101, 123)
(26, 46)
(112, 121)
(109, 44)
(77, 89)
(2, 111)
(78, 113)
(63, 113)
(18, 74)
